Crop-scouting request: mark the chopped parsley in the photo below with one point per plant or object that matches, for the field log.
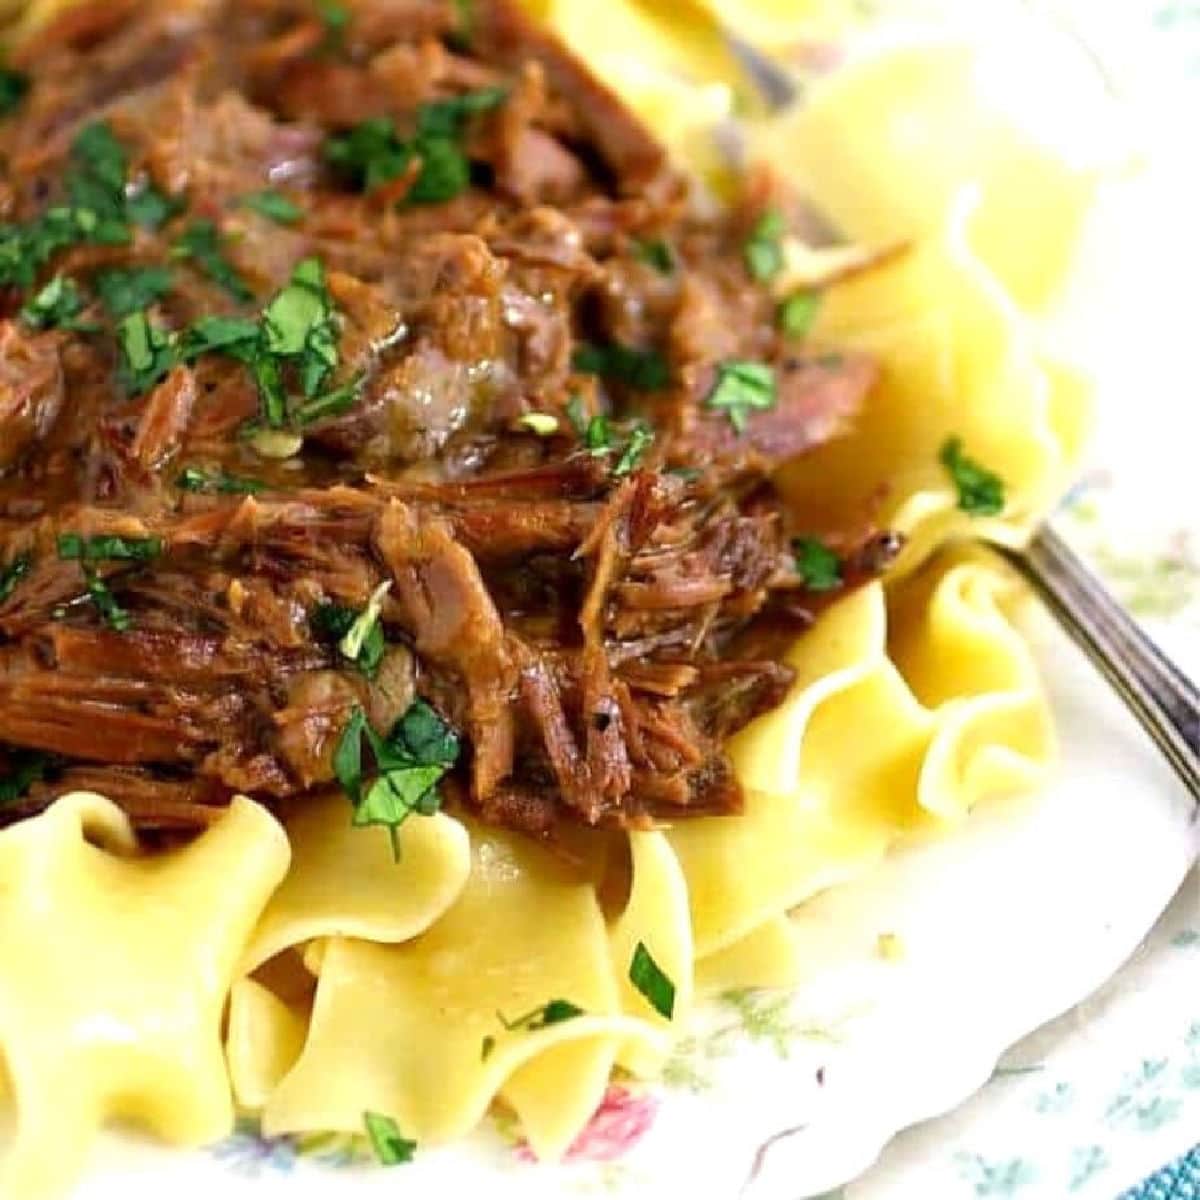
(14, 87)
(641, 370)
(763, 249)
(57, 306)
(374, 152)
(656, 253)
(148, 353)
(298, 325)
(641, 438)
(817, 565)
(577, 415)
(126, 290)
(73, 547)
(648, 977)
(411, 762)
(465, 33)
(335, 16)
(200, 242)
(105, 602)
(193, 479)
(390, 1146)
(25, 768)
(11, 575)
(329, 404)
(552, 1013)
(150, 208)
(743, 387)
(359, 636)
(214, 334)
(980, 491)
(797, 313)
(98, 210)
(275, 206)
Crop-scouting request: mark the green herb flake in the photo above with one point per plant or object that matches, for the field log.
(641, 370)
(105, 602)
(363, 643)
(275, 206)
(11, 575)
(797, 314)
(981, 493)
(552, 1013)
(237, 337)
(577, 415)
(330, 404)
(656, 253)
(335, 16)
(742, 388)
(193, 479)
(464, 34)
(127, 290)
(649, 979)
(374, 153)
(640, 440)
(57, 306)
(200, 243)
(14, 87)
(763, 249)
(148, 353)
(298, 324)
(25, 768)
(597, 437)
(151, 209)
(73, 547)
(390, 1146)
(817, 565)
(411, 762)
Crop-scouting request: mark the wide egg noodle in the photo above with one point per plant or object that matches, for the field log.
(345, 881)
(401, 1029)
(117, 969)
(958, 360)
(824, 801)
(886, 147)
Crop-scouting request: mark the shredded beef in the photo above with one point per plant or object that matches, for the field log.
(578, 561)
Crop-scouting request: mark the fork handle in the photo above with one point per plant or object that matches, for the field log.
(1162, 698)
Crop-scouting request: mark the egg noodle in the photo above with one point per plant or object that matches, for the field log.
(174, 989)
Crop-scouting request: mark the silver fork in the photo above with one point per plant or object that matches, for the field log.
(1156, 691)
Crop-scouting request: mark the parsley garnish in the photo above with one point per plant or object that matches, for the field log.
(150, 209)
(57, 306)
(193, 479)
(764, 247)
(14, 87)
(742, 388)
(298, 325)
(391, 1148)
(73, 547)
(359, 636)
(646, 975)
(26, 767)
(642, 370)
(214, 334)
(798, 312)
(336, 19)
(126, 290)
(465, 33)
(105, 602)
(411, 762)
(275, 206)
(656, 253)
(641, 438)
(374, 153)
(817, 565)
(331, 404)
(148, 353)
(11, 575)
(201, 242)
(552, 1013)
(980, 491)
